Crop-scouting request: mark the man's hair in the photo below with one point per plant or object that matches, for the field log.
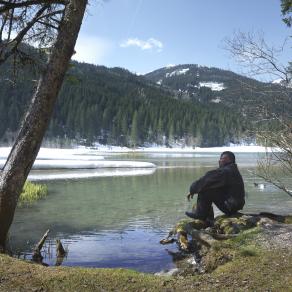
(230, 155)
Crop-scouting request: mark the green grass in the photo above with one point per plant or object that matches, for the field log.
(248, 251)
(32, 192)
(268, 271)
(238, 265)
(245, 237)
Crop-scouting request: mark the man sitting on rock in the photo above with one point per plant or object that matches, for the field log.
(223, 186)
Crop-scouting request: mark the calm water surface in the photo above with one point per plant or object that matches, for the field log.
(117, 221)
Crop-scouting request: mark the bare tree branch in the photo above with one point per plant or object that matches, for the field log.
(252, 52)
(4, 54)
(4, 20)
(274, 126)
(8, 5)
(36, 24)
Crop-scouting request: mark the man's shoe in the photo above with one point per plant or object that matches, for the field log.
(191, 215)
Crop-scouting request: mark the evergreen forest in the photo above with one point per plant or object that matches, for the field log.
(115, 107)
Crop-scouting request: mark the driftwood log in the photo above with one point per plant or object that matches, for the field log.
(37, 256)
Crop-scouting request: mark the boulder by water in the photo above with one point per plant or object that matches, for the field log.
(202, 248)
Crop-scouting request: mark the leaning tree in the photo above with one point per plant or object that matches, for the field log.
(55, 25)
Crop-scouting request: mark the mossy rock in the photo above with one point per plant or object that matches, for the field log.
(186, 224)
(182, 229)
(183, 241)
(288, 219)
(234, 224)
(198, 224)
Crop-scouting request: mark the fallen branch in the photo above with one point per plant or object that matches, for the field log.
(37, 256)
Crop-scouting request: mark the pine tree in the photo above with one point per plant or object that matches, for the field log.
(134, 131)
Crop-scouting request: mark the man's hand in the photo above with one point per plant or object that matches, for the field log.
(190, 196)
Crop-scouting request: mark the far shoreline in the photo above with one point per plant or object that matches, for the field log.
(92, 153)
(177, 149)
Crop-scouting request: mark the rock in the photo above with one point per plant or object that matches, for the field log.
(235, 223)
(197, 240)
(265, 222)
(185, 225)
(183, 240)
(167, 241)
(288, 219)
(203, 237)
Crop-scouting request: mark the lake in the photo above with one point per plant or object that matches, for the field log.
(116, 218)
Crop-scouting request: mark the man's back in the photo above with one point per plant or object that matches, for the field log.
(222, 186)
(234, 186)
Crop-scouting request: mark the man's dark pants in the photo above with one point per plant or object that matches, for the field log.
(204, 209)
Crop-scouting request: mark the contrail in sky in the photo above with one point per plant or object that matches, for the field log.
(138, 8)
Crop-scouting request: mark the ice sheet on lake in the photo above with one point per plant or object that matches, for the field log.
(77, 174)
(78, 158)
(58, 154)
(80, 164)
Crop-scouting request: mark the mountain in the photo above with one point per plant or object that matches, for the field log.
(244, 95)
(186, 104)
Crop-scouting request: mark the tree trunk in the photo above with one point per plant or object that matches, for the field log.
(28, 142)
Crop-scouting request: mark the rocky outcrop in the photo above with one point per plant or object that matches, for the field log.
(202, 247)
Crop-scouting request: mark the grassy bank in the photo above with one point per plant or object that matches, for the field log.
(256, 271)
(241, 263)
(32, 192)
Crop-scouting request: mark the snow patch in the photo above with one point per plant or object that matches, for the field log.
(277, 81)
(282, 82)
(97, 152)
(216, 100)
(177, 72)
(233, 148)
(215, 86)
(159, 82)
(192, 85)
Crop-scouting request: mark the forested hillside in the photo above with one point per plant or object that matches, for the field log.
(114, 106)
(249, 97)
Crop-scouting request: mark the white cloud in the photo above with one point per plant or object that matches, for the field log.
(91, 49)
(150, 44)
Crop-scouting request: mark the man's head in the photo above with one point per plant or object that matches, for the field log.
(226, 157)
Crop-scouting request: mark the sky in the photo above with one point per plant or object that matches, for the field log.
(145, 35)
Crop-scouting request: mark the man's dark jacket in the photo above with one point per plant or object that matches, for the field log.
(226, 181)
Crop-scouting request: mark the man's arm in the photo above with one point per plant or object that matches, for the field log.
(211, 180)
